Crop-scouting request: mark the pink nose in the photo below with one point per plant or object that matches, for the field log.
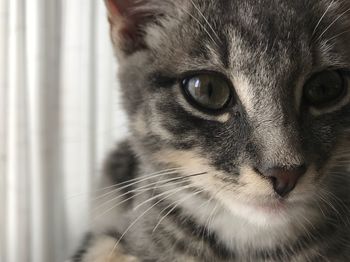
(284, 179)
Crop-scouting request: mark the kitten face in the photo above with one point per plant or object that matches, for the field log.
(286, 64)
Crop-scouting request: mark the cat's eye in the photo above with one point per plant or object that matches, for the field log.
(325, 89)
(209, 92)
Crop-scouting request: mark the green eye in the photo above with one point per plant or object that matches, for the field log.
(207, 91)
(325, 88)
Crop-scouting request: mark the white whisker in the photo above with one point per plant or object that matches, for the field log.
(331, 24)
(142, 215)
(338, 35)
(199, 22)
(177, 203)
(324, 14)
(139, 191)
(146, 188)
(145, 177)
(131, 184)
(328, 203)
(118, 204)
(205, 19)
(155, 197)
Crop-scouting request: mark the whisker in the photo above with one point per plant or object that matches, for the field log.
(331, 24)
(214, 195)
(211, 215)
(306, 231)
(338, 35)
(151, 199)
(339, 202)
(142, 215)
(321, 209)
(116, 205)
(343, 161)
(205, 19)
(177, 203)
(131, 184)
(201, 25)
(139, 191)
(135, 195)
(206, 225)
(323, 198)
(324, 14)
(145, 177)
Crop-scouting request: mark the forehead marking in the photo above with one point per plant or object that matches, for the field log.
(245, 93)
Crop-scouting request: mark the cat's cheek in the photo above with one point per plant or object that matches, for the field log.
(188, 160)
(254, 184)
(253, 199)
(138, 125)
(191, 162)
(307, 187)
(152, 126)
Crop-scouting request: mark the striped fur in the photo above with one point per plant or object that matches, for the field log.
(186, 185)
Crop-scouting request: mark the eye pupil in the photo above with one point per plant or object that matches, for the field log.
(210, 90)
(325, 88)
(207, 91)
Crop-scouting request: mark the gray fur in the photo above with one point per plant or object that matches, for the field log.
(268, 49)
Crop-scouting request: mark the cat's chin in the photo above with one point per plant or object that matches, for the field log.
(264, 214)
(273, 207)
(260, 224)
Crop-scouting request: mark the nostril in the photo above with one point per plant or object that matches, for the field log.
(284, 179)
(283, 185)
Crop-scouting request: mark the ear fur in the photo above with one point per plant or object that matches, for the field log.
(128, 19)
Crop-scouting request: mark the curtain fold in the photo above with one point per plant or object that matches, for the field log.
(59, 115)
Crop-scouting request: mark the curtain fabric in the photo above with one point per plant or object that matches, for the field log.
(59, 115)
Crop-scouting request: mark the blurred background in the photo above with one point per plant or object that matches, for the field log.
(59, 115)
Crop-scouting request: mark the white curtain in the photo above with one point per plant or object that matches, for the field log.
(59, 115)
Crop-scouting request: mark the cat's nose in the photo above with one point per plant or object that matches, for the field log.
(284, 179)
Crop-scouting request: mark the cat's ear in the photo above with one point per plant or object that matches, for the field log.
(129, 19)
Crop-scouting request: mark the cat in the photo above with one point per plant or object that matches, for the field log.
(239, 133)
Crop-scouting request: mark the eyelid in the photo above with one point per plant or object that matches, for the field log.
(203, 72)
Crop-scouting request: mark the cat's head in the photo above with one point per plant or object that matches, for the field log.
(254, 93)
